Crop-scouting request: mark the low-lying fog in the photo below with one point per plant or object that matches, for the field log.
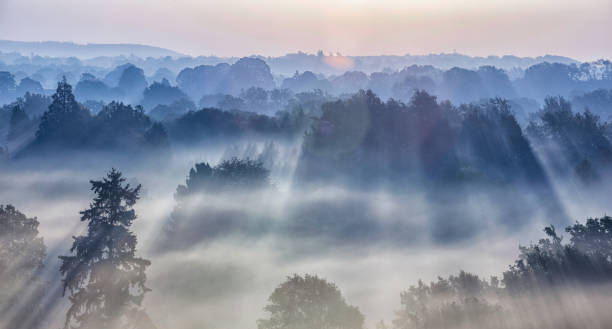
(223, 278)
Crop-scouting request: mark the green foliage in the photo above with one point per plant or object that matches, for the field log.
(105, 279)
(306, 302)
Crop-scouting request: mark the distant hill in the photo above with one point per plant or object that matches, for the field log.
(90, 50)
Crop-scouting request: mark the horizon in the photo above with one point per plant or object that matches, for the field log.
(294, 52)
(352, 28)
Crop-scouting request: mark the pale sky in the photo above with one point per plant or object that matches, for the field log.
(579, 29)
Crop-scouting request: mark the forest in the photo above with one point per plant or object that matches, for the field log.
(305, 191)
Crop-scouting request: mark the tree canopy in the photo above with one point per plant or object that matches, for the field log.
(22, 253)
(309, 302)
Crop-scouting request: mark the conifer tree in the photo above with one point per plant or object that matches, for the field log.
(105, 279)
(66, 121)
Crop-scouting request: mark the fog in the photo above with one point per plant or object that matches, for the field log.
(374, 246)
(305, 191)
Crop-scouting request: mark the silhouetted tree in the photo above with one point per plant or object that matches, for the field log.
(279, 98)
(462, 86)
(309, 302)
(162, 93)
(91, 88)
(132, 83)
(119, 126)
(585, 260)
(567, 138)
(230, 102)
(196, 216)
(172, 111)
(230, 174)
(105, 279)
(598, 101)
(305, 82)
(156, 136)
(19, 122)
(35, 104)
(7, 87)
(255, 98)
(66, 121)
(28, 85)
(455, 302)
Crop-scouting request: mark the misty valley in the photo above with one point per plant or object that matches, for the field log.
(305, 191)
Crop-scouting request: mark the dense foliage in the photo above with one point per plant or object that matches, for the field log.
(368, 140)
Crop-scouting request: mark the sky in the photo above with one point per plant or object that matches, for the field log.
(578, 29)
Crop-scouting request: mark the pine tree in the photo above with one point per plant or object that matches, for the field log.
(66, 121)
(105, 279)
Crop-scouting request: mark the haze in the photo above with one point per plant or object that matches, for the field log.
(352, 27)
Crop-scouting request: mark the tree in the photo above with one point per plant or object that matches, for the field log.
(132, 82)
(233, 174)
(593, 238)
(156, 136)
(462, 86)
(255, 98)
(119, 126)
(19, 122)
(309, 302)
(162, 93)
(171, 111)
(197, 217)
(230, 102)
(66, 121)
(585, 260)
(105, 279)
(279, 98)
(91, 88)
(567, 138)
(22, 253)
(7, 87)
(27, 85)
(455, 302)
(35, 104)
